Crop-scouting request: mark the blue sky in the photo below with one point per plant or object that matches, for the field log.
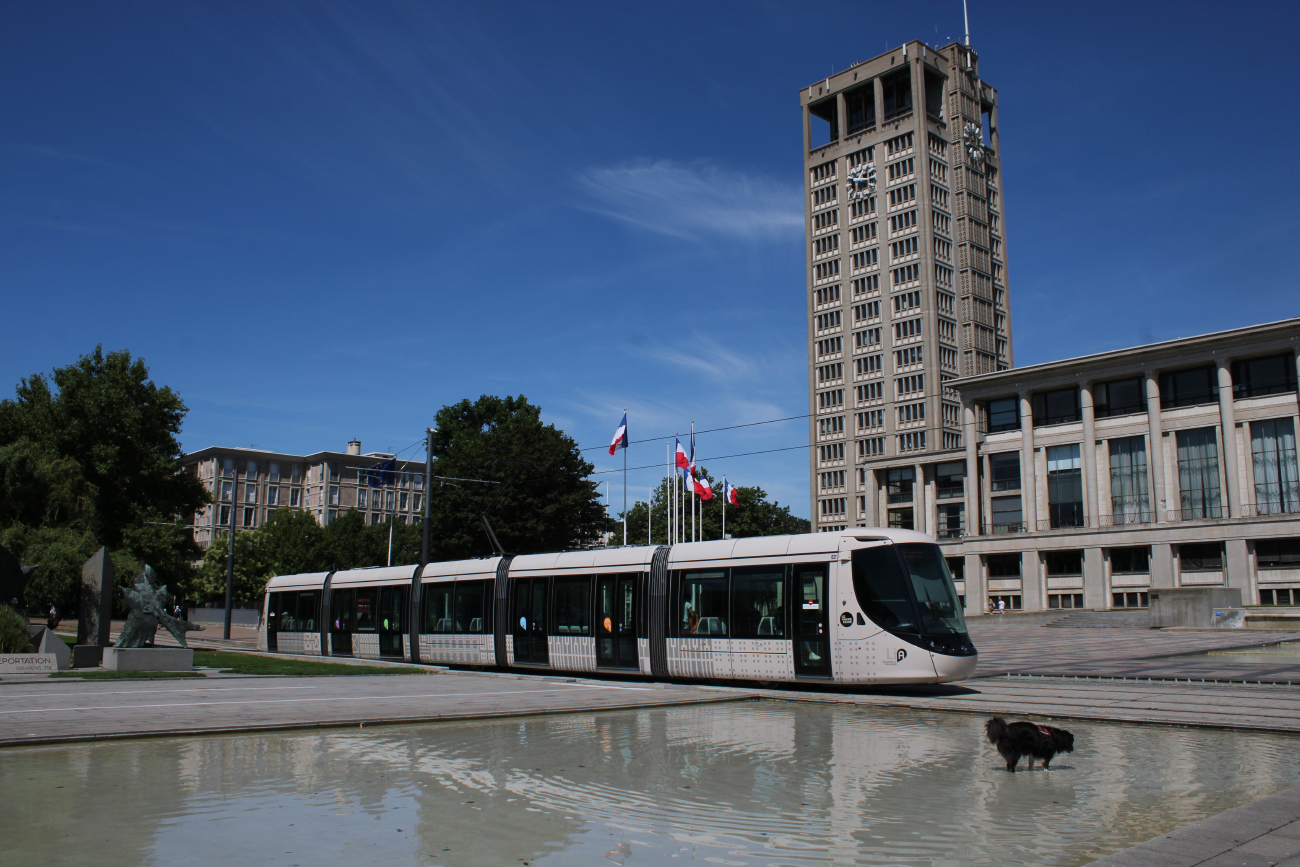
(319, 221)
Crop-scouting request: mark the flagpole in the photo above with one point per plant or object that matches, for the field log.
(668, 495)
(625, 481)
(695, 532)
(650, 516)
(724, 507)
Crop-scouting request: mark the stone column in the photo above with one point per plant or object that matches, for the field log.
(1094, 579)
(1156, 453)
(1162, 566)
(1236, 568)
(1228, 422)
(841, 126)
(1031, 582)
(976, 594)
(972, 487)
(920, 508)
(1089, 449)
(1028, 468)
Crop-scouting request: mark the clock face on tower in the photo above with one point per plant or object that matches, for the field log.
(971, 137)
(862, 181)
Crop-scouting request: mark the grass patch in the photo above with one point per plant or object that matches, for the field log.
(93, 674)
(243, 663)
(70, 640)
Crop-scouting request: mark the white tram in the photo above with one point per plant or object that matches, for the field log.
(865, 605)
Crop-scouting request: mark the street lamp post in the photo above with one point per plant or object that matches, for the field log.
(230, 557)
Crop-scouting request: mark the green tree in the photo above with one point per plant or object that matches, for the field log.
(89, 457)
(755, 516)
(547, 501)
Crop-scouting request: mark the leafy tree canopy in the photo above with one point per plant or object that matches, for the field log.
(89, 457)
(755, 516)
(547, 501)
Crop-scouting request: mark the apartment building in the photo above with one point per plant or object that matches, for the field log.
(907, 283)
(1091, 482)
(255, 483)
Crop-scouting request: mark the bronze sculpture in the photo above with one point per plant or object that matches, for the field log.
(147, 603)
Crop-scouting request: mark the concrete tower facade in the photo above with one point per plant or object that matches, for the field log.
(906, 280)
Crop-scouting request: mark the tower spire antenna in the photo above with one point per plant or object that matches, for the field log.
(966, 19)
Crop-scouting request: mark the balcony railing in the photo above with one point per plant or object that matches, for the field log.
(1197, 513)
(999, 529)
(1065, 522)
(950, 530)
(1120, 519)
(1263, 510)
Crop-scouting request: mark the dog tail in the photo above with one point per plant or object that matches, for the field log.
(996, 729)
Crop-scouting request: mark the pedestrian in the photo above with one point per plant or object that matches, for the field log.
(1002, 606)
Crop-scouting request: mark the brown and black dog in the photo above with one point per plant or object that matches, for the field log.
(1017, 739)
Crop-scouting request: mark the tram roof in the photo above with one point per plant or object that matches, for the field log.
(304, 580)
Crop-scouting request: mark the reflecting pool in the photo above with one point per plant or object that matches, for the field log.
(754, 783)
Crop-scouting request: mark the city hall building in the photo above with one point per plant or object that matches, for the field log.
(1089, 482)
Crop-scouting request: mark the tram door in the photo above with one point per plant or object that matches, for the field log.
(616, 621)
(341, 604)
(812, 647)
(392, 611)
(529, 622)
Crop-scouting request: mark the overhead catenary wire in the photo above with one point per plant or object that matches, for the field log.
(710, 430)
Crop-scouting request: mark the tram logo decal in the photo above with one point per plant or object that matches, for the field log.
(902, 654)
(846, 619)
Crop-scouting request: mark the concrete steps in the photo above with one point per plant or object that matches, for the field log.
(1134, 619)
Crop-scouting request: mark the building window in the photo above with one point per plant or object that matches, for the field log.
(1055, 407)
(1201, 557)
(1065, 600)
(1188, 387)
(228, 468)
(1064, 486)
(1281, 596)
(1277, 553)
(1129, 503)
(1139, 599)
(334, 495)
(1063, 563)
(388, 501)
(1004, 471)
(1121, 397)
(1256, 377)
(227, 491)
(899, 483)
(1007, 515)
(252, 469)
(273, 496)
(224, 520)
(1277, 482)
(248, 517)
(415, 502)
(1004, 414)
(952, 521)
(361, 498)
(1125, 561)
(274, 472)
(900, 519)
(250, 492)
(295, 475)
(295, 497)
(1005, 602)
(1003, 565)
(896, 93)
(950, 480)
(1198, 474)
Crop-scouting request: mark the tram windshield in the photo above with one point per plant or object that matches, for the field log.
(907, 589)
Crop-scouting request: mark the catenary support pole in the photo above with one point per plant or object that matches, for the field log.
(230, 557)
(625, 488)
(428, 488)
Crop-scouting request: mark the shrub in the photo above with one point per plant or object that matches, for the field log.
(14, 637)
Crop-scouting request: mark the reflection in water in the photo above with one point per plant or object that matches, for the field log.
(741, 784)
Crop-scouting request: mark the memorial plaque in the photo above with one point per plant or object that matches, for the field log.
(28, 663)
(96, 599)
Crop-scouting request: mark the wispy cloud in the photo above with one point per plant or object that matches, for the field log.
(715, 362)
(690, 201)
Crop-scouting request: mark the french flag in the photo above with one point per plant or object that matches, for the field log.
(728, 492)
(620, 435)
(683, 462)
(704, 489)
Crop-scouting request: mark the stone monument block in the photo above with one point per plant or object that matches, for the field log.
(148, 659)
(45, 641)
(1190, 606)
(96, 599)
(28, 663)
(87, 656)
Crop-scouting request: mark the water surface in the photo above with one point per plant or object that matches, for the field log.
(768, 783)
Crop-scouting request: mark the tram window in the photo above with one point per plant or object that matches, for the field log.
(437, 608)
(572, 606)
(307, 603)
(469, 606)
(282, 612)
(936, 595)
(758, 602)
(365, 619)
(881, 588)
(391, 602)
(704, 604)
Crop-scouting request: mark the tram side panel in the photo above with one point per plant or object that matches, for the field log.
(456, 621)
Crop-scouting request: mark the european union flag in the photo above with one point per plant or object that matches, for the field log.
(381, 475)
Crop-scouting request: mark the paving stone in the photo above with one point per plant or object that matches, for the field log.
(1142, 856)
(1195, 849)
(1238, 858)
(1273, 846)
(1291, 830)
